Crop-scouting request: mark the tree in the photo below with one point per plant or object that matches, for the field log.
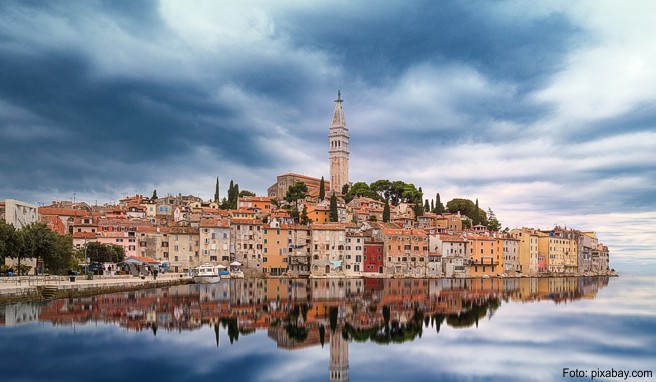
(117, 253)
(293, 212)
(493, 223)
(62, 259)
(334, 216)
(477, 215)
(386, 212)
(104, 253)
(305, 220)
(295, 192)
(439, 207)
(233, 195)
(432, 206)
(360, 189)
(9, 241)
(216, 191)
(322, 190)
(383, 188)
(37, 241)
(243, 193)
(345, 189)
(426, 206)
(154, 197)
(468, 208)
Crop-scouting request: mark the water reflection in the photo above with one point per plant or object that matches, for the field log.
(301, 314)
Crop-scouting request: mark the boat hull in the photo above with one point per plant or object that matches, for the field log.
(210, 279)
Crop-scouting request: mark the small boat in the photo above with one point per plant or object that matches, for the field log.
(235, 270)
(207, 273)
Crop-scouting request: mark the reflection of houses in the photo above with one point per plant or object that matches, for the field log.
(302, 313)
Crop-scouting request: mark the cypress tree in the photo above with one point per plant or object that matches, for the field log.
(439, 207)
(477, 218)
(322, 190)
(432, 206)
(216, 191)
(334, 216)
(386, 212)
(426, 206)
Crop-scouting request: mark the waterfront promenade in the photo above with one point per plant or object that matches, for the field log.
(24, 288)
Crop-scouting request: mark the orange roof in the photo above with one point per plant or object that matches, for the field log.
(152, 229)
(254, 199)
(329, 226)
(62, 211)
(404, 232)
(55, 224)
(214, 222)
(304, 177)
(317, 207)
(83, 235)
(246, 221)
(446, 237)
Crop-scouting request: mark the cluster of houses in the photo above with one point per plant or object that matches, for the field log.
(182, 232)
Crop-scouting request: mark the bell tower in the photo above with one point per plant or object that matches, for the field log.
(338, 153)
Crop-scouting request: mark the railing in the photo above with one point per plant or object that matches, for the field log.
(26, 281)
(32, 280)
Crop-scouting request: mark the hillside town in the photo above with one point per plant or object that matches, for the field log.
(308, 227)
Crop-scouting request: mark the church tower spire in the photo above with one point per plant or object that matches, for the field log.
(338, 150)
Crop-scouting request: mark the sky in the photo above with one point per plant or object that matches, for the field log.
(543, 111)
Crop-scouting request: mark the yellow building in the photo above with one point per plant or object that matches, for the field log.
(318, 214)
(559, 252)
(275, 249)
(484, 259)
(184, 245)
(528, 249)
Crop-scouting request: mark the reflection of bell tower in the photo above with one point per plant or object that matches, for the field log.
(339, 155)
(338, 356)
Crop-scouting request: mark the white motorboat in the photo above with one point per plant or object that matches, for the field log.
(207, 273)
(235, 270)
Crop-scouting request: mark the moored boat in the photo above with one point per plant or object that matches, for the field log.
(207, 273)
(235, 270)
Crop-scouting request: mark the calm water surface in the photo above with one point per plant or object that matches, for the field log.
(338, 330)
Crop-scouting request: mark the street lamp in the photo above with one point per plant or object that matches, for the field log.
(86, 259)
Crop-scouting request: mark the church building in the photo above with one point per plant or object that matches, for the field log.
(338, 153)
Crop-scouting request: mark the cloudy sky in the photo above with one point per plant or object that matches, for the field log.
(545, 112)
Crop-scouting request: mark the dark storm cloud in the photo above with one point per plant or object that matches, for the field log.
(497, 100)
(130, 121)
(377, 42)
